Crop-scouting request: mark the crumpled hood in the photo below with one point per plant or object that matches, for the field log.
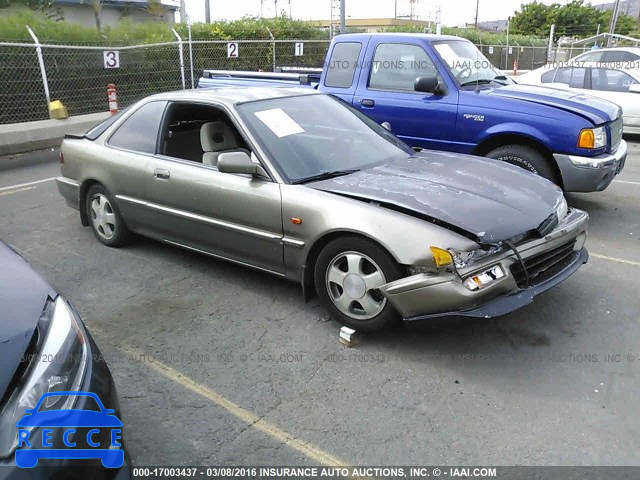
(597, 110)
(23, 295)
(490, 200)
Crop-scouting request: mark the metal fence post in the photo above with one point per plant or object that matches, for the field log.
(273, 49)
(43, 70)
(190, 53)
(181, 56)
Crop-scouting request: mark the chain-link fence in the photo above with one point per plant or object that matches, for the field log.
(33, 74)
(78, 75)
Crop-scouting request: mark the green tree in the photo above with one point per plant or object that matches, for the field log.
(575, 19)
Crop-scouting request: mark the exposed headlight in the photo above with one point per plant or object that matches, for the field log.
(561, 208)
(462, 259)
(480, 280)
(59, 365)
(592, 138)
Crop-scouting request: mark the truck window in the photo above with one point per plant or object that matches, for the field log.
(397, 65)
(342, 64)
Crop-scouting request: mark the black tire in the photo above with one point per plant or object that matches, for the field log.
(374, 258)
(113, 232)
(525, 157)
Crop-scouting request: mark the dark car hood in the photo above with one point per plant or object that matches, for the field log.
(594, 109)
(23, 295)
(485, 199)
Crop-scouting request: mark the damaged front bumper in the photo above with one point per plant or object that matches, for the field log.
(549, 260)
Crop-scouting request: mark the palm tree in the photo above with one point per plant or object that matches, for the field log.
(97, 10)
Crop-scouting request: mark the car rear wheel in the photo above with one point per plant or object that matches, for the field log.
(527, 158)
(105, 219)
(348, 274)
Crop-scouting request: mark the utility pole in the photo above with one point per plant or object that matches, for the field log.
(207, 11)
(275, 6)
(183, 12)
(614, 20)
(343, 19)
(551, 34)
(477, 9)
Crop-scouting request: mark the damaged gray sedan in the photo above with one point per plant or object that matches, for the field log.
(301, 185)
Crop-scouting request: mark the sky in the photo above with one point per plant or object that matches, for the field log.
(453, 12)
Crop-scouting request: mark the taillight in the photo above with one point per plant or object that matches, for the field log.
(61, 157)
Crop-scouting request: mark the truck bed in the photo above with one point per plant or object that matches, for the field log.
(222, 78)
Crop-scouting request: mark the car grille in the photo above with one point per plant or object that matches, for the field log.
(616, 134)
(543, 266)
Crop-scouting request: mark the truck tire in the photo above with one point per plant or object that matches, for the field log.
(527, 158)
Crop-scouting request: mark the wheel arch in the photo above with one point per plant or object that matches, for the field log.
(84, 188)
(308, 268)
(503, 139)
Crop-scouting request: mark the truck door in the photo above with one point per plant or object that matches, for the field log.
(385, 92)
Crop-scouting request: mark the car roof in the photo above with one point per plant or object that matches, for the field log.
(614, 49)
(430, 37)
(233, 95)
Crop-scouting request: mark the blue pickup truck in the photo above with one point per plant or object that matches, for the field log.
(439, 92)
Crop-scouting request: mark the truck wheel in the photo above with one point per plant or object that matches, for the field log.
(347, 274)
(527, 158)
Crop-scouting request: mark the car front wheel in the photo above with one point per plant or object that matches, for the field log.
(105, 219)
(348, 274)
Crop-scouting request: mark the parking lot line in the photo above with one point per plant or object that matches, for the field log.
(627, 182)
(11, 192)
(253, 420)
(615, 259)
(27, 184)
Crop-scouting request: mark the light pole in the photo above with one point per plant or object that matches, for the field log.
(207, 11)
(477, 9)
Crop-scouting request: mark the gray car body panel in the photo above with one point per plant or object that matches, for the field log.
(248, 220)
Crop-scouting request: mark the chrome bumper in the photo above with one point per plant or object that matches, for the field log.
(590, 174)
(425, 296)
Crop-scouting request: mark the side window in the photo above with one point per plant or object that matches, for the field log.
(574, 77)
(342, 65)
(619, 56)
(396, 66)
(200, 133)
(139, 132)
(610, 80)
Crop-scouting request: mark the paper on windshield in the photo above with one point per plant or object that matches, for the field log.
(281, 124)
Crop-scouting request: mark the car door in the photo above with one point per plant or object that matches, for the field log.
(123, 162)
(237, 217)
(386, 94)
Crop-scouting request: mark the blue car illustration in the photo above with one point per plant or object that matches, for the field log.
(112, 457)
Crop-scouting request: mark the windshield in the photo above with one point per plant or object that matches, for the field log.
(465, 62)
(312, 135)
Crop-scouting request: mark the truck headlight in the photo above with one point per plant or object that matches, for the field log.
(592, 138)
(58, 366)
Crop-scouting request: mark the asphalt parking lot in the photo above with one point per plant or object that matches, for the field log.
(220, 365)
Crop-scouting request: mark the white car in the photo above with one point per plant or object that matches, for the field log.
(625, 57)
(618, 85)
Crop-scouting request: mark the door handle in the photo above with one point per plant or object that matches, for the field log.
(365, 102)
(162, 174)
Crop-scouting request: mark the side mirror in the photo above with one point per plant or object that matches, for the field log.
(240, 162)
(428, 84)
(635, 88)
(386, 125)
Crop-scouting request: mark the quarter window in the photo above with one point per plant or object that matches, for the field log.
(139, 132)
(396, 66)
(342, 65)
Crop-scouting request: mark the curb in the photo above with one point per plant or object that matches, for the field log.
(30, 136)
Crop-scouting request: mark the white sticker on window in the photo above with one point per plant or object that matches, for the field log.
(279, 122)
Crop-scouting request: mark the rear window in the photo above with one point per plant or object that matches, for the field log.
(342, 65)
